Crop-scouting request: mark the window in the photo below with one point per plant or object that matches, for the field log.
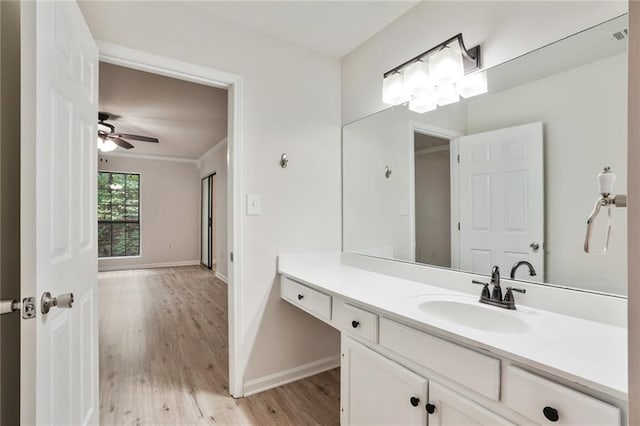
(118, 214)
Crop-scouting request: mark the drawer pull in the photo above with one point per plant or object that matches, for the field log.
(356, 324)
(300, 297)
(415, 401)
(431, 408)
(551, 414)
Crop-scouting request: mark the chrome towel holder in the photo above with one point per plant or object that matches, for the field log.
(606, 179)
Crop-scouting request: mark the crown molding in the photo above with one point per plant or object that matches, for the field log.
(149, 157)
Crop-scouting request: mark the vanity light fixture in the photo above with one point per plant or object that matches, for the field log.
(438, 76)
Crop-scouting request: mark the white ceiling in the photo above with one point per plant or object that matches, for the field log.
(331, 27)
(188, 118)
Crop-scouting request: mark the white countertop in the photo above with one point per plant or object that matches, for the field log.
(586, 352)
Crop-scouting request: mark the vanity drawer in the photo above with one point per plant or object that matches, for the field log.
(308, 299)
(469, 368)
(536, 398)
(356, 321)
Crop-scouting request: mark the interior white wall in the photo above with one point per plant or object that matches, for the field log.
(290, 103)
(215, 161)
(578, 142)
(169, 212)
(10, 209)
(504, 29)
(433, 208)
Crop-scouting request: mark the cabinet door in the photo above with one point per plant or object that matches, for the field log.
(378, 391)
(448, 408)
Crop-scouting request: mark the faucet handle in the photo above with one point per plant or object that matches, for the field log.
(485, 291)
(508, 296)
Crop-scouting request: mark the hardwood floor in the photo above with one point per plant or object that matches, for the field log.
(163, 357)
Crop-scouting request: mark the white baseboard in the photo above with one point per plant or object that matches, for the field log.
(271, 381)
(222, 277)
(105, 268)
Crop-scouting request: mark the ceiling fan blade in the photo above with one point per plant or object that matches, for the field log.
(120, 142)
(136, 137)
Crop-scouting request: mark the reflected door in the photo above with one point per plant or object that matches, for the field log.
(502, 200)
(207, 250)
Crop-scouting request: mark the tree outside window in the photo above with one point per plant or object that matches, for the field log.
(118, 214)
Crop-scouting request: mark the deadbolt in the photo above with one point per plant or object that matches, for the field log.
(62, 301)
(534, 246)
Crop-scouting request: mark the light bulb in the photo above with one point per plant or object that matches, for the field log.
(423, 102)
(108, 145)
(393, 90)
(472, 84)
(446, 66)
(446, 94)
(416, 78)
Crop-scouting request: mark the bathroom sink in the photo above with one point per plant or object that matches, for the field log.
(473, 314)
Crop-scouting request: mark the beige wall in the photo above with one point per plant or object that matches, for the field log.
(9, 209)
(170, 212)
(433, 208)
(215, 161)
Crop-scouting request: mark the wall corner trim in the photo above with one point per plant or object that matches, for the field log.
(280, 378)
(221, 277)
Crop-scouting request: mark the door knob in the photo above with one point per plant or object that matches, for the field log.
(62, 301)
(534, 246)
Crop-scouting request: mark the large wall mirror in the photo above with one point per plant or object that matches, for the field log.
(506, 176)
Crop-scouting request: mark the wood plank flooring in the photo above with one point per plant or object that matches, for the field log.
(163, 358)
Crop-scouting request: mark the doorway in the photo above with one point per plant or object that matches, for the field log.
(126, 57)
(208, 222)
(432, 162)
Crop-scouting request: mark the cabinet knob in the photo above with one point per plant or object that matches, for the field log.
(551, 414)
(356, 324)
(415, 401)
(431, 408)
(300, 297)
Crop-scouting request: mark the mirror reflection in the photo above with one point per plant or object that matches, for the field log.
(504, 177)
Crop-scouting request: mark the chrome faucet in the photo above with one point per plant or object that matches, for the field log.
(514, 268)
(494, 297)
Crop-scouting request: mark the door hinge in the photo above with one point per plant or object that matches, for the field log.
(231, 257)
(458, 226)
(29, 307)
(458, 158)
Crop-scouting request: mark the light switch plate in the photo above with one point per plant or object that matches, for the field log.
(254, 207)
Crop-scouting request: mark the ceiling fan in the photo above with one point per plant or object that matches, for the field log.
(108, 139)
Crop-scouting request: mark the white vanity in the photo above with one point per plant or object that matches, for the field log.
(405, 362)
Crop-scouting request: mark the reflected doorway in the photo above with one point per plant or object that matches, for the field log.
(432, 199)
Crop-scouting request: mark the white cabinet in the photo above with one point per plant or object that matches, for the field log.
(449, 408)
(546, 402)
(377, 391)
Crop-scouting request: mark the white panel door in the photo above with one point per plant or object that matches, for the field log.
(377, 391)
(501, 199)
(448, 408)
(59, 372)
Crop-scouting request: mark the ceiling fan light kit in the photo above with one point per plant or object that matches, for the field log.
(108, 139)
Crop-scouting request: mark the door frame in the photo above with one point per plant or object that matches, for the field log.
(143, 61)
(452, 136)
